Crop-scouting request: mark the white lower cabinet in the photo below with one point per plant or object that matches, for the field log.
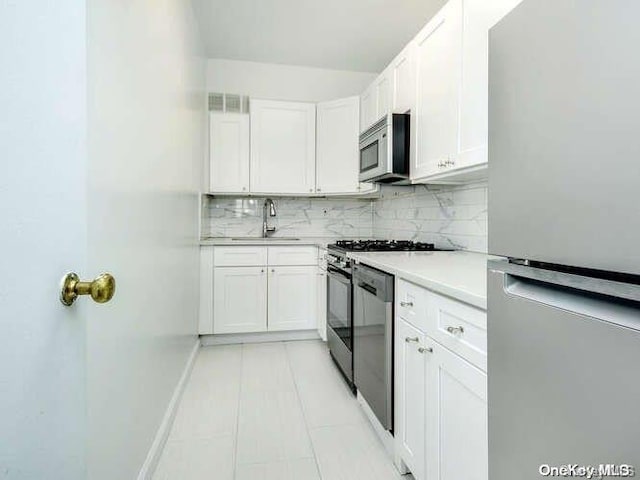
(410, 395)
(281, 291)
(292, 298)
(239, 299)
(321, 302)
(441, 396)
(456, 417)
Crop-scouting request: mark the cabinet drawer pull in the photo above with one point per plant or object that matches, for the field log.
(455, 330)
(411, 339)
(425, 349)
(406, 304)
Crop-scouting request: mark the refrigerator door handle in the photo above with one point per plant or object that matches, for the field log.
(620, 290)
(583, 303)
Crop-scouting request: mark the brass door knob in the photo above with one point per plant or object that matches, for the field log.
(101, 289)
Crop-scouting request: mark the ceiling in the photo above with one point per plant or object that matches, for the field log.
(357, 35)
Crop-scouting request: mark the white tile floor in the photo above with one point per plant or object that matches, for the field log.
(276, 411)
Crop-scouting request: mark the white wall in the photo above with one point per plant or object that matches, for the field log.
(146, 136)
(42, 236)
(284, 82)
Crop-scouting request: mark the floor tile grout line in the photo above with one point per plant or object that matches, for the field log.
(304, 415)
(237, 429)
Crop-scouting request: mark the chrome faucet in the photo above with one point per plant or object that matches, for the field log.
(266, 229)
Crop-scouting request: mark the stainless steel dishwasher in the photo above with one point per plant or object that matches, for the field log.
(373, 340)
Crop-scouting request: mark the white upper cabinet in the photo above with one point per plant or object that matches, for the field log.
(229, 152)
(383, 94)
(283, 147)
(376, 100)
(452, 65)
(438, 71)
(368, 107)
(403, 80)
(337, 151)
(478, 17)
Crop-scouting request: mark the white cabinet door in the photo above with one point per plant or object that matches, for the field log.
(290, 255)
(403, 80)
(283, 147)
(383, 94)
(239, 299)
(459, 327)
(438, 70)
(205, 323)
(456, 411)
(368, 108)
(410, 397)
(337, 150)
(292, 298)
(240, 256)
(321, 302)
(478, 17)
(228, 152)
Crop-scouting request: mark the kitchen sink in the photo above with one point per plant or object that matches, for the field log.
(262, 239)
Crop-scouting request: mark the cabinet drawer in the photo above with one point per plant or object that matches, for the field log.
(293, 255)
(239, 256)
(459, 327)
(412, 303)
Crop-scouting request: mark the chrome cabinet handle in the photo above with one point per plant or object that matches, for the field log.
(411, 339)
(455, 330)
(425, 349)
(406, 304)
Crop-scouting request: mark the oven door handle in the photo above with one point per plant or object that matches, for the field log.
(338, 275)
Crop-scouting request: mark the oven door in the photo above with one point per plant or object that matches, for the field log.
(373, 153)
(339, 310)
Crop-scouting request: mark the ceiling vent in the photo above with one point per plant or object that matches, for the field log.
(228, 103)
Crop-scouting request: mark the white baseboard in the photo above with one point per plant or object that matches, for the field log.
(153, 457)
(264, 337)
(385, 437)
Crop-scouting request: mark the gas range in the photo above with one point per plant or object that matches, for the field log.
(382, 246)
(337, 252)
(341, 285)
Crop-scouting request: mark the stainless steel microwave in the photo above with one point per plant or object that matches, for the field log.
(384, 150)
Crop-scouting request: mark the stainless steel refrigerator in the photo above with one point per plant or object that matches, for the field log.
(564, 213)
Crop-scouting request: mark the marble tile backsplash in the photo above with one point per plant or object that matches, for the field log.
(450, 217)
(295, 217)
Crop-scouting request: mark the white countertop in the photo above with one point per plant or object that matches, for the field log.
(460, 275)
(258, 241)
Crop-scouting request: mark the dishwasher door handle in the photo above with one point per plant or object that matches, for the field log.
(368, 288)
